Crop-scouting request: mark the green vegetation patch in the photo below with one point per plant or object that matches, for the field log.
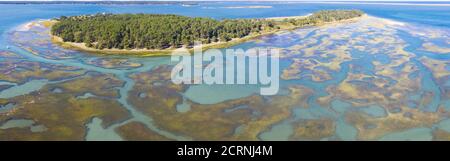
(158, 31)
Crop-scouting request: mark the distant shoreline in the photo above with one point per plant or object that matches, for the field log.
(104, 2)
(168, 51)
(406, 3)
(122, 2)
(248, 7)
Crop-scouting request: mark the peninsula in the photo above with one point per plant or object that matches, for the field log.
(160, 34)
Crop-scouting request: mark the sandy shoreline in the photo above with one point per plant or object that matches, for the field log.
(27, 26)
(287, 17)
(144, 52)
(164, 52)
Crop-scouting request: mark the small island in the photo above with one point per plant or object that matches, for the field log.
(160, 34)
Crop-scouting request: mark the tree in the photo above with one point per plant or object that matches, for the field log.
(158, 31)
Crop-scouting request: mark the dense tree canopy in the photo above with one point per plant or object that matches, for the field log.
(327, 16)
(156, 31)
(126, 31)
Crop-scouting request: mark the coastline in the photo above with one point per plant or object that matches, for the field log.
(286, 17)
(247, 7)
(166, 52)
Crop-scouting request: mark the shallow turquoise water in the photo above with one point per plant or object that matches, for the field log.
(25, 88)
(415, 134)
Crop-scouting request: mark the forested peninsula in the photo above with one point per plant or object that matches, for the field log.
(161, 33)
